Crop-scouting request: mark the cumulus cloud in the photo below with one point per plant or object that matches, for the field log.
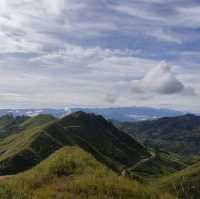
(161, 80)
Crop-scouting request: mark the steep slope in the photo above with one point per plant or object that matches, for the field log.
(73, 173)
(92, 133)
(179, 134)
(185, 184)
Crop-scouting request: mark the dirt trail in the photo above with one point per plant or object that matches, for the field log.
(5, 177)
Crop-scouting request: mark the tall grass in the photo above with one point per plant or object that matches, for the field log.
(74, 174)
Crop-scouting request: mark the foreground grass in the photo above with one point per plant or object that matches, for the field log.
(72, 173)
(185, 184)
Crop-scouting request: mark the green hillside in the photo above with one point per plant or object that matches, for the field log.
(179, 134)
(73, 173)
(36, 121)
(10, 124)
(93, 133)
(185, 184)
(160, 164)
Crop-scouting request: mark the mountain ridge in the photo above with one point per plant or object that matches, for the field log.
(92, 133)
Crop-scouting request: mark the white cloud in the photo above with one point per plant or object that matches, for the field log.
(161, 80)
(54, 7)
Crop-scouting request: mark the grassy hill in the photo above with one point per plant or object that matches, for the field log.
(185, 184)
(179, 134)
(72, 173)
(92, 133)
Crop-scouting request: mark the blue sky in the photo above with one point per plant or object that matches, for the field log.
(100, 53)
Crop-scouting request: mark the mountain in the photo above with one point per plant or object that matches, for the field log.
(92, 133)
(178, 134)
(73, 173)
(116, 114)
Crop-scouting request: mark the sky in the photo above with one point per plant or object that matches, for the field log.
(100, 53)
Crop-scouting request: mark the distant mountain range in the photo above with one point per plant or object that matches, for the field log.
(122, 114)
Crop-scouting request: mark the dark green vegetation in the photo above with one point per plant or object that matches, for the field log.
(179, 134)
(73, 173)
(43, 135)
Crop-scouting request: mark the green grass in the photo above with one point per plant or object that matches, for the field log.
(185, 184)
(73, 173)
(10, 124)
(36, 121)
(161, 164)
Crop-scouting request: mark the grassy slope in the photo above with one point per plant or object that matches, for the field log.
(15, 151)
(186, 183)
(160, 164)
(10, 125)
(92, 133)
(73, 173)
(36, 121)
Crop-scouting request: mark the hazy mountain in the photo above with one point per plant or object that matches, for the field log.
(117, 114)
